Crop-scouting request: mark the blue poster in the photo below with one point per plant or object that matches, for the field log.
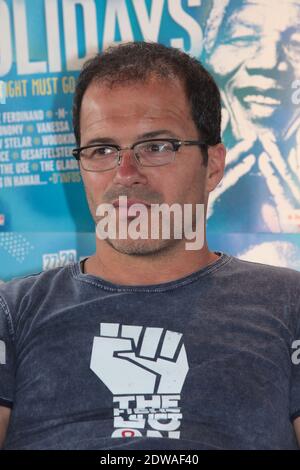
(253, 51)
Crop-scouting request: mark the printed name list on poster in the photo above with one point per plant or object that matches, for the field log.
(36, 144)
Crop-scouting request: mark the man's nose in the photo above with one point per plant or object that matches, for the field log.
(268, 56)
(128, 172)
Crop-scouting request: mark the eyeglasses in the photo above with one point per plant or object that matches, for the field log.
(154, 152)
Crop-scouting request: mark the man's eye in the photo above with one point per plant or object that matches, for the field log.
(102, 151)
(158, 147)
(246, 40)
(154, 148)
(293, 46)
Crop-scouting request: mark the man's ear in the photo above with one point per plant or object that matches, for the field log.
(215, 166)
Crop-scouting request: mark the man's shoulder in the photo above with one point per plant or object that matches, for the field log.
(257, 266)
(32, 285)
(265, 273)
(32, 278)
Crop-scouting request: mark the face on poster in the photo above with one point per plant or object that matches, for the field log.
(254, 52)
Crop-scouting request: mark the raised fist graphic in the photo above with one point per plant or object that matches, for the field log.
(137, 360)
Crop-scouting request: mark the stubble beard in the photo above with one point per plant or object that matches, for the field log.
(142, 247)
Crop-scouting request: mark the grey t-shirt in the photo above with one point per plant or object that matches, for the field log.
(203, 362)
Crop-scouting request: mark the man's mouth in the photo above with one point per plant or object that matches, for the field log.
(128, 203)
(271, 97)
(261, 99)
(123, 205)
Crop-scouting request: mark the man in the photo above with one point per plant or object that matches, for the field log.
(148, 344)
(253, 49)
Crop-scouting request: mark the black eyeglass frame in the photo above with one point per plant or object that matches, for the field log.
(175, 142)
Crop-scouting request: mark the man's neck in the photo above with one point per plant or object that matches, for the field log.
(166, 266)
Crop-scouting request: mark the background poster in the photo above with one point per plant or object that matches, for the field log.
(253, 50)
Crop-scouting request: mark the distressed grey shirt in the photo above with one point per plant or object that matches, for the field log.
(209, 361)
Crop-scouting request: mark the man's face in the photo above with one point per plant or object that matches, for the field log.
(258, 56)
(124, 115)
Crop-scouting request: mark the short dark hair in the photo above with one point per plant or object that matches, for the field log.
(138, 61)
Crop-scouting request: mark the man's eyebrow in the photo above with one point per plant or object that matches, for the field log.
(146, 135)
(160, 132)
(234, 22)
